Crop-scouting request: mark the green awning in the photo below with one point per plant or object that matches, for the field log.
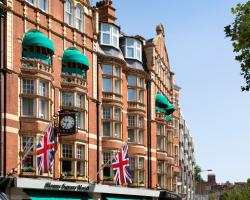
(161, 100)
(159, 109)
(73, 55)
(36, 38)
(169, 118)
(56, 195)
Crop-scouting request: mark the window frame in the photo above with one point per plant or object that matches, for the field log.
(36, 3)
(136, 128)
(81, 19)
(69, 12)
(136, 170)
(113, 33)
(136, 46)
(74, 159)
(112, 121)
(137, 88)
(113, 77)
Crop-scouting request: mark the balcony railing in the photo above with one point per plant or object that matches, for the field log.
(30, 64)
(136, 105)
(74, 80)
(111, 96)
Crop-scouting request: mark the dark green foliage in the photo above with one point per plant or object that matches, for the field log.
(237, 193)
(239, 33)
(197, 174)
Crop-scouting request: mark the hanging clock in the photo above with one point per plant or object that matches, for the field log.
(67, 121)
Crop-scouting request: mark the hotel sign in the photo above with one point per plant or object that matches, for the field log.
(65, 187)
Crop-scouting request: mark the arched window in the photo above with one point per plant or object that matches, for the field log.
(79, 17)
(68, 12)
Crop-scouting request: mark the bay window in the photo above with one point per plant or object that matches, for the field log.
(109, 35)
(111, 121)
(133, 49)
(35, 97)
(28, 163)
(111, 78)
(135, 89)
(136, 128)
(161, 174)
(107, 169)
(137, 169)
(67, 99)
(161, 137)
(73, 160)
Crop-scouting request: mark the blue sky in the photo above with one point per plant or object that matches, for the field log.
(216, 110)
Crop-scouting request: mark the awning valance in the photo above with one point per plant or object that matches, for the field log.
(73, 55)
(37, 38)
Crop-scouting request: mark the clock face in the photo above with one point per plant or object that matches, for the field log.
(67, 122)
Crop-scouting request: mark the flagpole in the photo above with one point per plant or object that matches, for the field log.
(26, 153)
(108, 162)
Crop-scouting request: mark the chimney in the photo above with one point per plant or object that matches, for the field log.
(211, 179)
(106, 11)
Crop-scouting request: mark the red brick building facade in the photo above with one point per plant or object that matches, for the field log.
(113, 88)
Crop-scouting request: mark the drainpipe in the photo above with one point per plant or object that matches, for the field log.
(149, 132)
(1, 85)
(98, 123)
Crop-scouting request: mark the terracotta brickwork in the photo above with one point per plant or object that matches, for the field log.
(119, 94)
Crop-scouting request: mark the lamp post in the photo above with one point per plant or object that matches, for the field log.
(200, 188)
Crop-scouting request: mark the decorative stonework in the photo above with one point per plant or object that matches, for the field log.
(10, 40)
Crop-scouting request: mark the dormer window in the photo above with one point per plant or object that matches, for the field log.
(133, 49)
(109, 35)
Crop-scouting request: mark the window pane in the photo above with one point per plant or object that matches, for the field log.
(131, 95)
(141, 96)
(78, 19)
(105, 28)
(117, 130)
(31, 1)
(105, 38)
(42, 89)
(106, 129)
(80, 119)
(141, 133)
(28, 86)
(28, 161)
(43, 4)
(68, 12)
(107, 157)
(132, 162)
(42, 109)
(132, 135)
(80, 168)
(118, 114)
(117, 86)
(131, 120)
(140, 82)
(115, 40)
(27, 106)
(107, 112)
(117, 71)
(107, 172)
(67, 150)
(140, 122)
(80, 101)
(27, 143)
(106, 69)
(160, 143)
(132, 80)
(67, 166)
(141, 163)
(107, 85)
(67, 99)
(130, 52)
(81, 152)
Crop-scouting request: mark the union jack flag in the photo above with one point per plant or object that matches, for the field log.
(45, 151)
(120, 165)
